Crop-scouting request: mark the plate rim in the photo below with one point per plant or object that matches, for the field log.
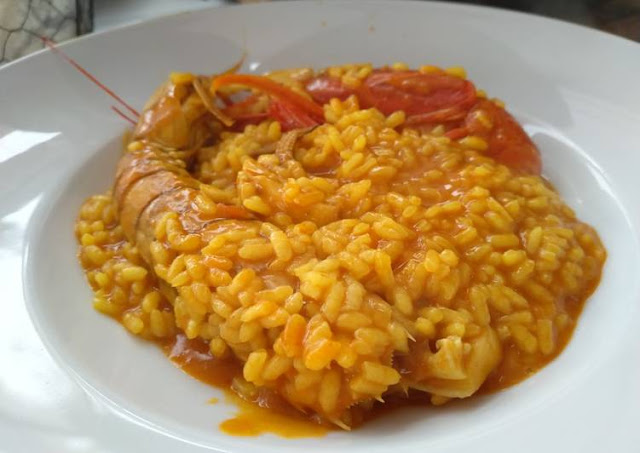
(443, 4)
(55, 191)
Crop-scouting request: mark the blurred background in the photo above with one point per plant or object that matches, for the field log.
(24, 22)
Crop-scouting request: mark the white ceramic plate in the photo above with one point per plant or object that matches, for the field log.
(574, 89)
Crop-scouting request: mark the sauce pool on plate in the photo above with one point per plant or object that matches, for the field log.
(267, 414)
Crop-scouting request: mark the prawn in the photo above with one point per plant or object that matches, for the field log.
(164, 210)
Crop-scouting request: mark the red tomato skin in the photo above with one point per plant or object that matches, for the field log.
(415, 93)
(324, 88)
(508, 143)
(289, 116)
(438, 98)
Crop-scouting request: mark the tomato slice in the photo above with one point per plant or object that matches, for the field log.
(439, 98)
(444, 115)
(416, 93)
(324, 88)
(289, 116)
(508, 143)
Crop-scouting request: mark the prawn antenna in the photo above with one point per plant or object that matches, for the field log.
(54, 48)
(123, 115)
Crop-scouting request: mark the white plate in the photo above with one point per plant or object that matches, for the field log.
(574, 89)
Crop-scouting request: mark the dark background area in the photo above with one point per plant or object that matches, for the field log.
(23, 22)
(621, 17)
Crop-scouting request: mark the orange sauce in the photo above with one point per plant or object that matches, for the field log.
(253, 420)
(267, 413)
(515, 366)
